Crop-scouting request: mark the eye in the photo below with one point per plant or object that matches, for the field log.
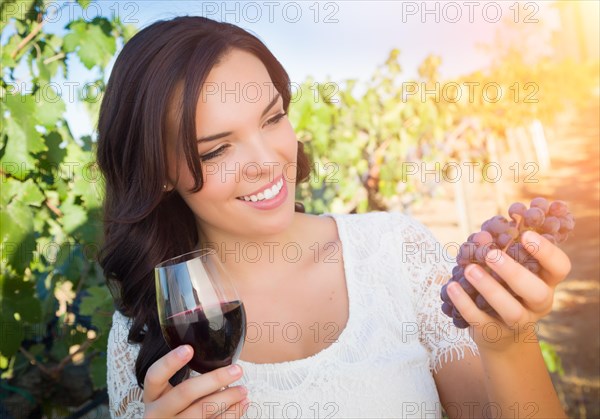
(221, 150)
(214, 154)
(276, 118)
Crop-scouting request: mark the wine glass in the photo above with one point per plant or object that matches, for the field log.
(198, 306)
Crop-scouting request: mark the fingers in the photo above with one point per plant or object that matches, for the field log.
(536, 293)
(157, 377)
(190, 390)
(508, 308)
(555, 262)
(466, 306)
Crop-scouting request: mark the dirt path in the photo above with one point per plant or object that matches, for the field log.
(573, 326)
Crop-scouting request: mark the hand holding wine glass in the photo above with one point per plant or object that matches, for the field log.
(204, 323)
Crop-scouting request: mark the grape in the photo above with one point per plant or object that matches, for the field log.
(551, 225)
(460, 323)
(503, 239)
(456, 314)
(467, 286)
(444, 294)
(566, 224)
(484, 227)
(558, 209)
(550, 219)
(517, 208)
(541, 203)
(480, 253)
(466, 253)
(482, 238)
(534, 217)
(498, 225)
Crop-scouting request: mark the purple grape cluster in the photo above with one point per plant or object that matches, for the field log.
(552, 220)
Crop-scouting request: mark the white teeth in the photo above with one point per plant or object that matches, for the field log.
(266, 194)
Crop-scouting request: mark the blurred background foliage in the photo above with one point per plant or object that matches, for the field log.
(56, 311)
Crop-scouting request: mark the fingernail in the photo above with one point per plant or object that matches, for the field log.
(453, 289)
(475, 272)
(183, 351)
(495, 256)
(243, 390)
(234, 370)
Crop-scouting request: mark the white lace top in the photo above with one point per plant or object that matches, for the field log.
(382, 362)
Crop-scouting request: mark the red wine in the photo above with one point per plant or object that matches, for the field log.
(216, 333)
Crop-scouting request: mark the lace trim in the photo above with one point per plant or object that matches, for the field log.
(427, 268)
(124, 395)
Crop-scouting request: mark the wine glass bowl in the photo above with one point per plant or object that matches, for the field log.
(199, 306)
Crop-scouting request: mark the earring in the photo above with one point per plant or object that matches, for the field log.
(164, 187)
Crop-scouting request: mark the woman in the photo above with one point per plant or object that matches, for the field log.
(192, 132)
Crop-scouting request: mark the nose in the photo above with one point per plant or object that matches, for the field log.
(262, 159)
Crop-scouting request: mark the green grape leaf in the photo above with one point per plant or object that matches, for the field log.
(98, 299)
(17, 235)
(98, 372)
(74, 216)
(69, 260)
(92, 42)
(12, 333)
(10, 188)
(30, 194)
(50, 110)
(23, 138)
(19, 297)
(50, 163)
(7, 50)
(86, 185)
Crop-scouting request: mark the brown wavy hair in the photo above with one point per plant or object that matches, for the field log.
(143, 225)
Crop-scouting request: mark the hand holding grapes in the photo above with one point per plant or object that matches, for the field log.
(507, 273)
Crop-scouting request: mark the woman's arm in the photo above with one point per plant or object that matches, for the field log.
(513, 384)
(461, 387)
(518, 381)
(511, 369)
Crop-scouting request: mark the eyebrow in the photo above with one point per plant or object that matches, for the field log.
(225, 134)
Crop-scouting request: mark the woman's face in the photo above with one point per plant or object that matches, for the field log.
(257, 148)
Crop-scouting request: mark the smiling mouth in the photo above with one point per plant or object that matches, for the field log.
(266, 194)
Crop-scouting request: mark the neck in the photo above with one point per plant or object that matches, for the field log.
(258, 255)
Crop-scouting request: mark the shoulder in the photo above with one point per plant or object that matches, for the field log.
(119, 330)
(376, 231)
(403, 226)
(119, 320)
(409, 239)
(362, 220)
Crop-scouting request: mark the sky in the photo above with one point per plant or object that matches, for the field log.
(335, 41)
